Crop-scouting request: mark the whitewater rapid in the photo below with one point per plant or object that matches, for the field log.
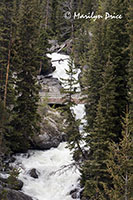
(56, 174)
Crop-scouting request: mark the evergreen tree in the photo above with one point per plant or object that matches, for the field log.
(47, 10)
(72, 127)
(120, 164)
(92, 79)
(64, 23)
(83, 30)
(25, 61)
(130, 68)
(117, 48)
(4, 119)
(6, 37)
(42, 44)
(89, 6)
(6, 71)
(99, 139)
(104, 123)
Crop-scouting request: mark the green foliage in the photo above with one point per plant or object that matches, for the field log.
(3, 194)
(72, 124)
(120, 164)
(25, 117)
(70, 84)
(4, 125)
(12, 179)
(42, 44)
(107, 96)
(23, 48)
(64, 26)
(93, 75)
(6, 39)
(130, 64)
(82, 31)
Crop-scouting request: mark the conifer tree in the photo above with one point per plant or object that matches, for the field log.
(72, 128)
(63, 22)
(99, 138)
(92, 79)
(89, 6)
(6, 90)
(130, 68)
(107, 112)
(25, 61)
(4, 120)
(46, 11)
(120, 164)
(42, 44)
(6, 70)
(83, 30)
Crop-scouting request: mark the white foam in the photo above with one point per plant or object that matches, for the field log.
(61, 67)
(53, 183)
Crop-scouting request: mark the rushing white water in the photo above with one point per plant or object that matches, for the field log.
(55, 181)
(61, 63)
(60, 73)
(61, 66)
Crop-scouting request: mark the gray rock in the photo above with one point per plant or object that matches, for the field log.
(44, 142)
(8, 194)
(51, 133)
(17, 184)
(33, 173)
(54, 45)
(75, 193)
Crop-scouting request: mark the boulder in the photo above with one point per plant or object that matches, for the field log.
(75, 193)
(33, 173)
(9, 194)
(49, 137)
(17, 184)
(44, 142)
(51, 133)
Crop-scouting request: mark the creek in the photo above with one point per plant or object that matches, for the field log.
(56, 174)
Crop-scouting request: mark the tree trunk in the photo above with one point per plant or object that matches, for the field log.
(7, 74)
(126, 186)
(47, 13)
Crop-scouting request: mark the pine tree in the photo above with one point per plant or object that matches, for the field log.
(119, 56)
(25, 62)
(99, 139)
(89, 6)
(104, 123)
(120, 164)
(83, 30)
(6, 72)
(42, 44)
(72, 124)
(92, 79)
(4, 120)
(130, 68)
(47, 11)
(64, 25)
(6, 37)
